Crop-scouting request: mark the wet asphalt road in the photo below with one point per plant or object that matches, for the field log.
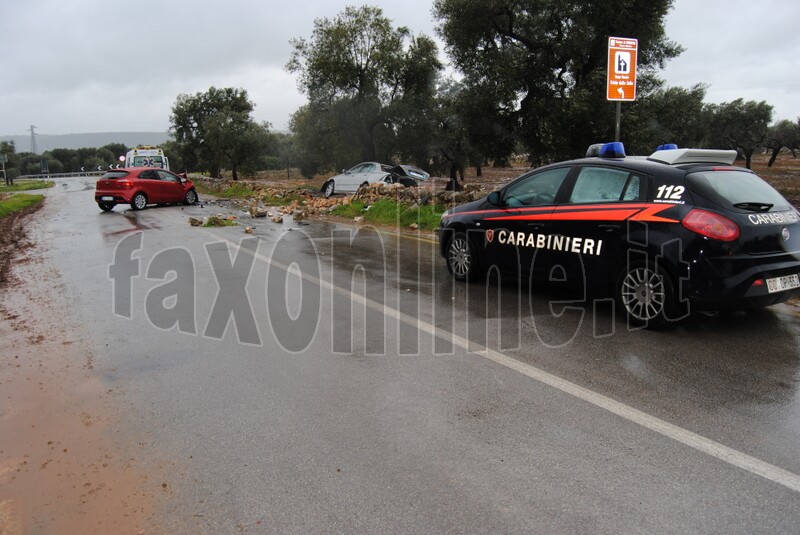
(356, 393)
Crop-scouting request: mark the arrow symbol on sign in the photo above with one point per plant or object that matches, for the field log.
(621, 92)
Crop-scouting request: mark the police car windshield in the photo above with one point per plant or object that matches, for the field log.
(736, 189)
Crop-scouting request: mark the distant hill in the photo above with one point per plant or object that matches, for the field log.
(45, 142)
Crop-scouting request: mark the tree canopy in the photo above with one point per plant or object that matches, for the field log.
(549, 57)
(368, 85)
(739, 125)
(215, 130)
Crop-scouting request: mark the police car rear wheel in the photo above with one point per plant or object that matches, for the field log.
(461, 259)
(645, 293)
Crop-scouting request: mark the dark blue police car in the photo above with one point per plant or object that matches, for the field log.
(680, 230)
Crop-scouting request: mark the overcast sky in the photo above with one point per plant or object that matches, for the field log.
(75, 66)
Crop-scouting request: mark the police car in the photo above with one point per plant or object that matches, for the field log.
(678, 231)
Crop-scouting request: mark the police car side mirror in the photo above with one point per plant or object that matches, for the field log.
(494, 198)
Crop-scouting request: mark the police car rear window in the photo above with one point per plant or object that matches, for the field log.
(729, 188)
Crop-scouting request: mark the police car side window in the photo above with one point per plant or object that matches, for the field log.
(603, 184)
(537, 189)
(633, 191)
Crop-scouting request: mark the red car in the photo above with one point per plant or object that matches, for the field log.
(140, 186)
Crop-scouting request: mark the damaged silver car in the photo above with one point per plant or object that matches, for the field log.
(363, 174)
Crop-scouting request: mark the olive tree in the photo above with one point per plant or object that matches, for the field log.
(548, 58)
(368, 83)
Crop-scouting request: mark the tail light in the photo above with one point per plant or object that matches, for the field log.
(124, 183)
(711, 225)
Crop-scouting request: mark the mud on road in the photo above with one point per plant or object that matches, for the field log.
(65, 466)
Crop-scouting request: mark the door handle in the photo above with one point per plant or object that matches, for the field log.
(535, 226)
(610, 227)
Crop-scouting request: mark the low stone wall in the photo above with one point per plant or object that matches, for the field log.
(313, 202)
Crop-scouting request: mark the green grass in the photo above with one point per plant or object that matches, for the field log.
(235, 191)
(389, 212)
(26, 185)
(18, 202)
(215, 221)
(240, 191)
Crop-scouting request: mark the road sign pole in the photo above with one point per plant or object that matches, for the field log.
(618, 120)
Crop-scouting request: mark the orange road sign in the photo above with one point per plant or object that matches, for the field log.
(621, 81)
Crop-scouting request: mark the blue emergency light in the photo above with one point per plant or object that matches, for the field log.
(615, 149)
(667, 146)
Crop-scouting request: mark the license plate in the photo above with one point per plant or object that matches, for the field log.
(106, 198)
(779, 284)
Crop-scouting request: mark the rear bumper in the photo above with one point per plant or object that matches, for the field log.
(732, 283)
(114, 197)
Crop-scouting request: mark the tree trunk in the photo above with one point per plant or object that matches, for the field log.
(478, 171)
(748, 156)
(453, 185)
(774, 156)
(234, 174)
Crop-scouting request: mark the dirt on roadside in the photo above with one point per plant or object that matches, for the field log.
(65, 465)
(13, 239)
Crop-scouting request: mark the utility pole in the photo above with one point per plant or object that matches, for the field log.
(33, 139)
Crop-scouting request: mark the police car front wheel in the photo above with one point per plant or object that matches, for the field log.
(645, 292)
(461, 258)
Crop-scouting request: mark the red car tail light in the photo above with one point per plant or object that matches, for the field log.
(711, 225)
(124, 183)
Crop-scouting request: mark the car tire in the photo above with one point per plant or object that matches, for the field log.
(139, 201)
(329, 188)
(646, 293)
(462, 259)
(190, 198)
(106, 206)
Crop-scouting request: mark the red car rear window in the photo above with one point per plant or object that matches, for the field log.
(111, 175)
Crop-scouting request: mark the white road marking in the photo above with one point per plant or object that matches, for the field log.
(695, 441)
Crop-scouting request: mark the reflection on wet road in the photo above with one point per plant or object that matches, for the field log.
(382, 396)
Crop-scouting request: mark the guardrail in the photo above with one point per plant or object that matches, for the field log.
(47, 176)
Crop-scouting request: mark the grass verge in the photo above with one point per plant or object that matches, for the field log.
(235, 191)
(27, 185)
(18, 202)
(241, 191)
(389, 212)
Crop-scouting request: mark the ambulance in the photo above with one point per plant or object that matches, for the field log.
(146, 156)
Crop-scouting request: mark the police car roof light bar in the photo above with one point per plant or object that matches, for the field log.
(684, 156)
(594, 150)
(667, 146)
(615, 149)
